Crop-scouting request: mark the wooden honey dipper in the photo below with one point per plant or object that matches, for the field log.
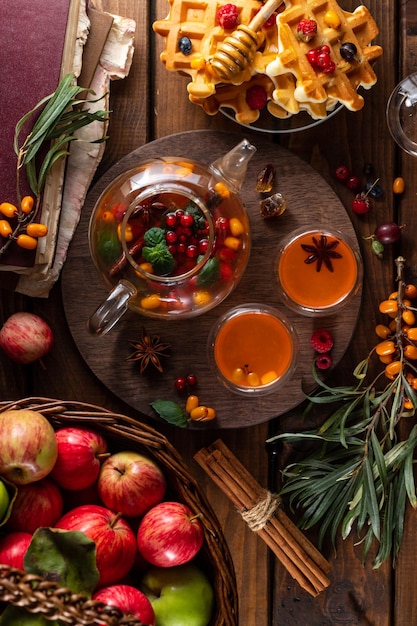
(234, 52)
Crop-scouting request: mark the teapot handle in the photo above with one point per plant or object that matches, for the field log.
(112, 309)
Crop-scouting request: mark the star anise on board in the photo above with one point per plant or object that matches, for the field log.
(323, 251)
(149, 349)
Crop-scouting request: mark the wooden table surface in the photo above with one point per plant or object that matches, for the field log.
(153, 103)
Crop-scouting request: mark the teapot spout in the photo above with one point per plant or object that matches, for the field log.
(233, 165)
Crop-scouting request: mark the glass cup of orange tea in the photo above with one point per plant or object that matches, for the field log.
(319, 271)
(253, 349)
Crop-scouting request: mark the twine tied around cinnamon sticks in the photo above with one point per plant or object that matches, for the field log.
(257, 516)
(262, 512)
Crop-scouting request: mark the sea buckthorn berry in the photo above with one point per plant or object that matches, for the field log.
(236, 227)
(383, 331)
(410, 352)
(408, 404)
(108, 217)
(393, 369)
(151, 302)
(8, 209)
(386, 358)
(26, 242)
(388, 306)
(27, 204)
(128, 233)
(201, 297)
(222, 190)
(192, 403)
(234, 243)
(202, 414)
(414, 383)
(398, 185)
(198, 63)
(385, 347)
(253, 379)
(393, 326)
(331, 19)
(412, 333)
(268, 377)
(410, 291)
(238, 375)
(393, 295)
(37, 230)
(409, 317)
(5, 229)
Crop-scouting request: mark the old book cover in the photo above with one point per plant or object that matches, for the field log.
(38, 39)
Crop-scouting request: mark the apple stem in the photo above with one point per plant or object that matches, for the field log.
(193, 517)
(102, 455)
(115, 519)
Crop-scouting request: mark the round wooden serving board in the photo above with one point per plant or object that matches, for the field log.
(311, 202)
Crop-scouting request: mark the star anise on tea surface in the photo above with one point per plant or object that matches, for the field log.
(321, 252)
(149, 349)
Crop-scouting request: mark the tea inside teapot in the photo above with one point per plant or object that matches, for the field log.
(172, 236)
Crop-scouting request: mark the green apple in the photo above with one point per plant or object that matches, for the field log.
(180, 595)
(4, 500)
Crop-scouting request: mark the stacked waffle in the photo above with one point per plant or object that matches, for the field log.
(281, 74)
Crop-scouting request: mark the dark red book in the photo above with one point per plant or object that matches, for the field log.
(37, 39)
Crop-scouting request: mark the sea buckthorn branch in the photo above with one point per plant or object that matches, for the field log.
(61, 114)
(359, 473)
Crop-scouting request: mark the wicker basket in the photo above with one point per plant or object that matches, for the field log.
(122, 432)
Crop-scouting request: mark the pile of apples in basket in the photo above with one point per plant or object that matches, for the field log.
(101, 520)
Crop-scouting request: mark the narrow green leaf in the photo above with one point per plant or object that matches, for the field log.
(371, 498)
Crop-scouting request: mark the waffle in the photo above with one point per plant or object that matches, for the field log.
(279, 64)
(358, 28)
(196, 19)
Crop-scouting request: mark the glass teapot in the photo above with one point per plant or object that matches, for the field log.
(171, 237)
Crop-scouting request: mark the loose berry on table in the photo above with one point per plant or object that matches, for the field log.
(342, 172)
(398, 186)
(360, 204)
(322, 340)
(323, 361)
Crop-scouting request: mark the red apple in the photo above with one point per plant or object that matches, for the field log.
(170, 534)
(13, 548)
(129, 600)
(130, 483)
(25, 337)
(115, 540)
(28, 449)
(38, 504)
(80, 452)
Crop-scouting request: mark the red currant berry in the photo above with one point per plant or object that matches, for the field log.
(172, 249)
(191, 380)
(179, 213)
(180, 383)
(325, 49)
(203, 246)
(353, 183)
(186, 220)
(170, 220)
(360, 204)
(271, 21)
(312, 57)
(323, 60)
(222, 223)
(171, 236)
(191, 251)
(181, 247)
(330, 67)
(342, 172)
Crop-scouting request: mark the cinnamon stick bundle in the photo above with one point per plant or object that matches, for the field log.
(260, 509)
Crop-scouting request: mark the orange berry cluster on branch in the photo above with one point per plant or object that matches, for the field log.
(18, 224)
(397, 349)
